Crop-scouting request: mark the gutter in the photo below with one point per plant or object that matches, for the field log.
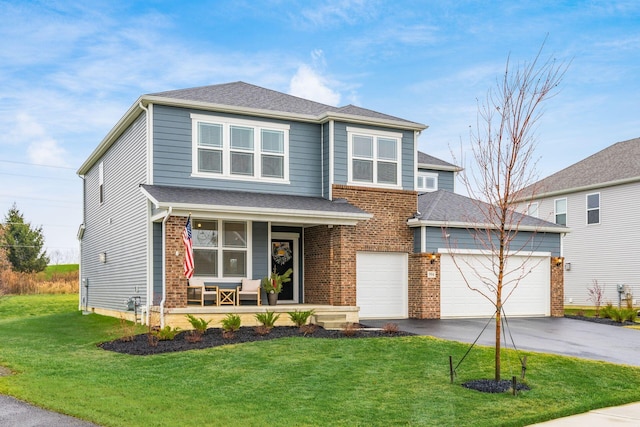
(149, 296)
(415, 222)
(164, 266)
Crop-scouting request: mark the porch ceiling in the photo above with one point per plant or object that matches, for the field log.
(254, 206)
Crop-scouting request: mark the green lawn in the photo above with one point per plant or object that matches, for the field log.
(51, 347)
(51, 270)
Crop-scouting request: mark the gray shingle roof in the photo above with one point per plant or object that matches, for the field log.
(447, 207)
(168, 195)
(245, 95)
(427, 159)
(620, 161)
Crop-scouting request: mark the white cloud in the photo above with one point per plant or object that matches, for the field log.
(306, 83)
(42, 148)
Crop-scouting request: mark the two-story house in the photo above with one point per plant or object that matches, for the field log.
(597, 198)
(269, 181)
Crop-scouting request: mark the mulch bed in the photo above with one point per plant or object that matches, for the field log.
(600, 320)
(493, 386)
(213, 337)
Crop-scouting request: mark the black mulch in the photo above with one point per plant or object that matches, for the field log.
(493, 386)
(213, 338)
(601, 320)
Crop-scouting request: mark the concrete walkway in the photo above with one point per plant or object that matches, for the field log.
(16, 413)
(563, 336)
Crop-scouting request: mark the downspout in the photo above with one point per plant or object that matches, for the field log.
(164, 265)
(149, 297)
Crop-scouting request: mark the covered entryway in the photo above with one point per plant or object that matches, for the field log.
(530, 298)
(382, 284)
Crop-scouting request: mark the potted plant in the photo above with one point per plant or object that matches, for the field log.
(273, 284)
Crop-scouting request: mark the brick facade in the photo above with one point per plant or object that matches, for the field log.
(557, 287)
(330, 252)
(174, 257)
(424, 292)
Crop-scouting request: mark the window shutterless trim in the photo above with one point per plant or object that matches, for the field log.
(586, 199)
(226, 149)
(375, 158)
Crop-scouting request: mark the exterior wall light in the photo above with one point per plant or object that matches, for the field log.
(557, 261)
(432, 257)
(103, 257)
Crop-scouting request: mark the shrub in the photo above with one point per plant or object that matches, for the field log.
(606, 310)
(300, 318)
(267, 319)
(127, 330)
(199, 324)
(167, 333)
(628, 315)
(349, 329)
(596, 293)
(262, 330)
(230, 324)
(391, 328)
(308, 329)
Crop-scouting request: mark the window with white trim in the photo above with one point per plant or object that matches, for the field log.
(240, 149)
(101, 182)
(532, 209)
(427, 181)
(561, 211)
(220, 248)
(593, 208)
(374, 157)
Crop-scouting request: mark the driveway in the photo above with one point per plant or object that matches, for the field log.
(17, 413)
(568, 337)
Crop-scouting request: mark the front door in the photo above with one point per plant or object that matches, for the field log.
(284, 255)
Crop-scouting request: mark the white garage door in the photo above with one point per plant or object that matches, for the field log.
(530, 298)
(381, 284)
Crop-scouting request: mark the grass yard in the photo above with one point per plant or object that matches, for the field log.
(51, 347)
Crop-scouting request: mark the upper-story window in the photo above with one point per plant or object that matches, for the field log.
(240, 149)
(374, 157)
(101, 182)
(532, 209)
(427, 181)
(593, 208)
(561, 211)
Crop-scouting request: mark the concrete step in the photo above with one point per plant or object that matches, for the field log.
(330, 321)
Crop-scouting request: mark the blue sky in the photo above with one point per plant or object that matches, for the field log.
(69, 71)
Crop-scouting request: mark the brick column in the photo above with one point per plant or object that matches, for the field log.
(557, 287)
(176, 283)
(424, 292)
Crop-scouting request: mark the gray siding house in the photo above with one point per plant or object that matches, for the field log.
(270, 181)
(598, 199)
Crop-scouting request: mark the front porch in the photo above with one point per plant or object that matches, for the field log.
(327, 316)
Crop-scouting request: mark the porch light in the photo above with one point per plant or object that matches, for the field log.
(432, 257)
(557, 261)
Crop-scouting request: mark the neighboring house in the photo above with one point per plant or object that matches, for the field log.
(598, 199)
(270, 181)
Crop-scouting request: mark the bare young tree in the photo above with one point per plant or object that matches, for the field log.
(503, 145)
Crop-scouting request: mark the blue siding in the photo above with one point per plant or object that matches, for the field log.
(326, 161)
(417, 239)
(464, 239)
(341, 153)
(119, 226)
(172, 147)
(157, 262)
(445, 179)
(260, 250)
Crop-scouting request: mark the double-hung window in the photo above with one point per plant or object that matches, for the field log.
(101, 182)
(374, 157)
(240, 149)
(593, 208)
(561, 211)
(427, 181)
(220, 248)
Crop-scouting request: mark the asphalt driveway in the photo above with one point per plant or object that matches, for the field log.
(568, 337)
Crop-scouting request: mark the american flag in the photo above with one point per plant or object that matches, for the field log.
(188, 249)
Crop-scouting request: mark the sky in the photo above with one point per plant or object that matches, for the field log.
(69, 70)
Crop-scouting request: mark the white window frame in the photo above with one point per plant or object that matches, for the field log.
(374, 134)
(556, 213)
(101, 182)
(586, 199)
(226, 149)
(221, 248)
(425, 176)
(533, 210)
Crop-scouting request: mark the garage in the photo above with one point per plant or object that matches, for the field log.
(530, 298)
(381, 284)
